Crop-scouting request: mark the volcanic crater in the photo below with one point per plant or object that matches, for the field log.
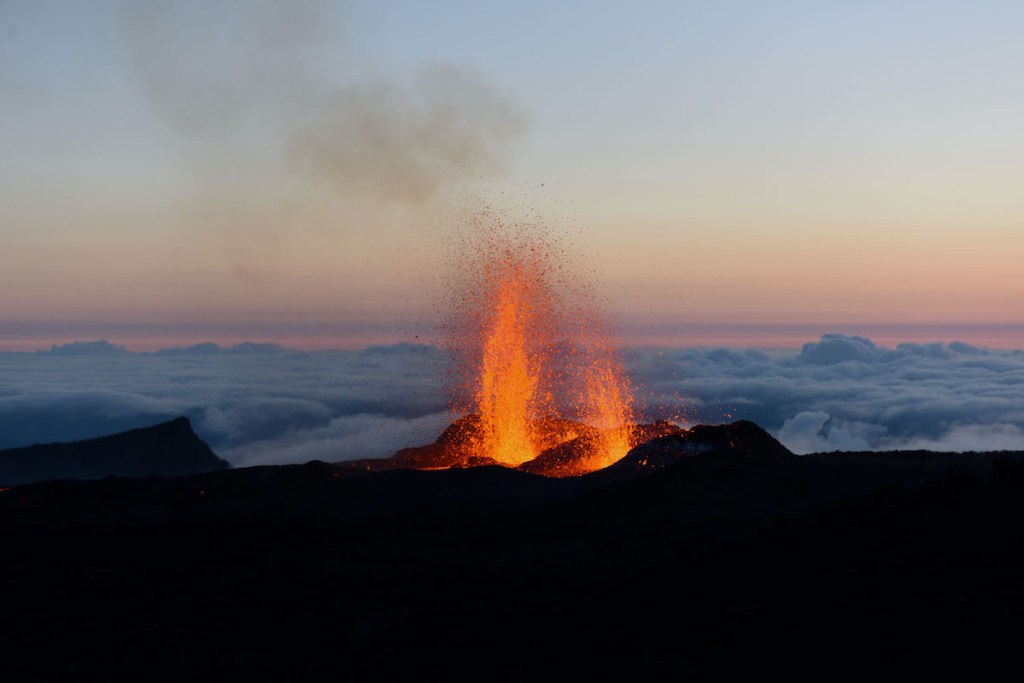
(567, 447)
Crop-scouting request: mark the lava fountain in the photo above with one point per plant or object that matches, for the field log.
(536, 365)
(536, 379)
(512, 365)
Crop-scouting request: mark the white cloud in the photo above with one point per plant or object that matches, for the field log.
(259, 404)
(816, 432)
(846, 392)
(345, 438)
(974, 437)
(251, 403)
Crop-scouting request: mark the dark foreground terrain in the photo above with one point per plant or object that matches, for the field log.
(736, 559)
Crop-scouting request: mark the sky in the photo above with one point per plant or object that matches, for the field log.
(264, 404)
(734, 173)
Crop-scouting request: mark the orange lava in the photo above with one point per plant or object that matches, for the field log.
(534, 353)
(607, 401)
(510, 370)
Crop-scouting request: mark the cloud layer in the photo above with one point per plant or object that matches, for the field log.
(844, 392)
(253, 403)
(263, 404)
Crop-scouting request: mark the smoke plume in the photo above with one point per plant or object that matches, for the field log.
(279, 86)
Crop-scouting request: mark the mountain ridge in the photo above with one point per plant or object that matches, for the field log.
(168, 448)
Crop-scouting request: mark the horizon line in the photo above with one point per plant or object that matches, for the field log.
(727, 335)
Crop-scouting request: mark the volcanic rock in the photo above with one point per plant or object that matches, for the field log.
(742, 440)
(458, 446)
(569, 458)
(454, 448)
(564, 459)
(167, 449)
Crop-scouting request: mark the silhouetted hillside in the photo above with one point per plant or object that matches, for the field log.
(170, 448)
(732, 560)
(741, 440)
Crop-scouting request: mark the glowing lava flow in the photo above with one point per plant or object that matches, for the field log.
(538, 370)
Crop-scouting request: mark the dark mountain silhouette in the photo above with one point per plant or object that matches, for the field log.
(170, 448)
(741, 440)
(730, 558)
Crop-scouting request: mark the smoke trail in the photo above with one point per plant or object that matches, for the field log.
(279, 82)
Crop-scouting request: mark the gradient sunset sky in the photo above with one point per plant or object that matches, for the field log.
(742, 173)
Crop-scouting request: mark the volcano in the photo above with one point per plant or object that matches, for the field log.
(535, 371)
(568, 447)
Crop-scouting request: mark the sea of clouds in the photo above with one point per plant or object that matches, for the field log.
(847, 393)
(263, 404)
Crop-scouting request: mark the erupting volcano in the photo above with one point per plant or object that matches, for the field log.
(536, 376)
(536, 366)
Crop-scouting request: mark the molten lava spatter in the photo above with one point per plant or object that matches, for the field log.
(607, 407)
(511, 366)
(537, 367)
